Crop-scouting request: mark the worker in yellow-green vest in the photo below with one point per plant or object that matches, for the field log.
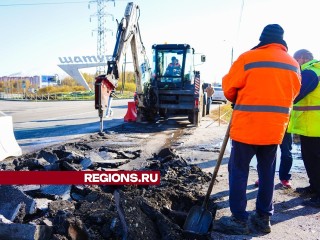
(305, 122)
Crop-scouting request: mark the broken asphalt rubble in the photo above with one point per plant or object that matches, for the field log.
(100, 211)
(185, 157)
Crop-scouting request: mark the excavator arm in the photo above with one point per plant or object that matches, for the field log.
(128, 33)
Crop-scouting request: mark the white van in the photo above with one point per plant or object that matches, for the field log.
(218, 95)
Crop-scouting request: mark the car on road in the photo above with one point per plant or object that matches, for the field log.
(218, 95)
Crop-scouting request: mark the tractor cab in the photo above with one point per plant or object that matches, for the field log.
(172, 66)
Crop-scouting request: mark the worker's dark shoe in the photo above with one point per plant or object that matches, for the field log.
(231, 225)
(286, 183)
(306, 191)
(261, 222)
(313, 202)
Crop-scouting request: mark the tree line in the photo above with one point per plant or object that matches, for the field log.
(67, 84)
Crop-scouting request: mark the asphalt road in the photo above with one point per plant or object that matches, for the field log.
(39, 124)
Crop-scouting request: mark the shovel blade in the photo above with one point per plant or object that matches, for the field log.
(198, 220)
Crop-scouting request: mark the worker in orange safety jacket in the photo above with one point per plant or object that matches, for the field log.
(262, 83)
(174, 68)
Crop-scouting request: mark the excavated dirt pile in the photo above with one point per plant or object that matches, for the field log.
(113, 212)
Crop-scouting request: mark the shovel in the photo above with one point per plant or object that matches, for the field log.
(199, 219)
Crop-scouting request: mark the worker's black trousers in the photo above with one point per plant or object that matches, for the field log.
(310, 151)
(238, 167)
(286, 157)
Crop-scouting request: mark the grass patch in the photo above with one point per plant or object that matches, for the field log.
(222, 112)
(77, 95)
(124, 94)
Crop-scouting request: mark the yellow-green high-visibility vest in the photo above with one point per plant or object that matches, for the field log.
(305, 115)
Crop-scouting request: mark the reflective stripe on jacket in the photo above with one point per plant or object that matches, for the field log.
(305, 116)
(263, 84)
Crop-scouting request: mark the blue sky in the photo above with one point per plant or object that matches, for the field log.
(36, 33)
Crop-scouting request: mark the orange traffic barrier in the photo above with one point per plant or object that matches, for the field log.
(131, 115)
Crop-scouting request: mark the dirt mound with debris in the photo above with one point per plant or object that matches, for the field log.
(112, 212)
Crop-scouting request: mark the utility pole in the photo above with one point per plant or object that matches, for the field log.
(101, 15)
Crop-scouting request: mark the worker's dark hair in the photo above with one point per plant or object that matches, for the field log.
(303, 53)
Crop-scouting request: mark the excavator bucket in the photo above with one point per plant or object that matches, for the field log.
(8, 144)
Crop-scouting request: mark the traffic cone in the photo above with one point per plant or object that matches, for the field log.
(131, 115)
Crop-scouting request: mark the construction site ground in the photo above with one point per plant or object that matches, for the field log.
(185, 156)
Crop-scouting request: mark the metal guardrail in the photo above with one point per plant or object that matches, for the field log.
(45, 97)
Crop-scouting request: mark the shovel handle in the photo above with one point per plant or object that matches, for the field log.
(216, 168)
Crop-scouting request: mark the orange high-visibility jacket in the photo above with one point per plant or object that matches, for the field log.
(262, 83)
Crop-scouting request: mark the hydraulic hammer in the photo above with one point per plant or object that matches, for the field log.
(103, 89)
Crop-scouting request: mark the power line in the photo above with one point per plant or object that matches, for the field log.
(43, 3)
(240, 18)
(238, 30)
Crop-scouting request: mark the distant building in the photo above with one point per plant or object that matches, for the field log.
(35, 81)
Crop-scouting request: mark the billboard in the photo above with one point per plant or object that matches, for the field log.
(48, 79)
